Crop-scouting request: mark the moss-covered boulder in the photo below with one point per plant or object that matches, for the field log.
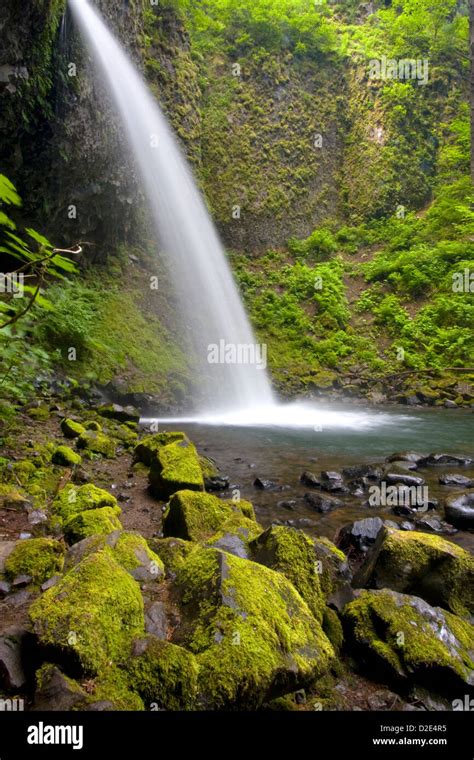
(71, 429)
(95, 442)
(291, 552)
(40, 558)
(92, 614)
(332, 566)
(175, 467)
(66, 457)
(402, 638)
(147, 448)
(133, 554)
(92, 522)
(57, 691)
(428, 566)
(164, 674)
(74, 499)
(173, 552)
(203, 517)
(252, 633)
(332, 627)
(120, 413)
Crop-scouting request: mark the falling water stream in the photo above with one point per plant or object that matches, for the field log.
(236, 389)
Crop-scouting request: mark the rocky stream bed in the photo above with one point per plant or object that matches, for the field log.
(134, 575)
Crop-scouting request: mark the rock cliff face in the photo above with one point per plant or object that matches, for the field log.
(74, 172)
(279, 142)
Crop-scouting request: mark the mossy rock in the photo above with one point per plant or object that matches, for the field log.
(40, 413)
(40, 558)
(201, 517)
(429, 566)
(132, 552)
(12, 497)
(92, 522)
(92, 614)
(402, 638)
(74, 499)
(120, 413)
(125, 435)
(95, 442)
(92, 425)
(253, 635)
(332, 627)
(334, 567)
(175, 467)
(114, 687)
(66, 457)
(148, 447)
(291, 552)
(164, 674)
(173, 552)
(71, 429)
(208, 468)
(57, 691)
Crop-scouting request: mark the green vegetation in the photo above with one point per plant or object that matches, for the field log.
(39, 558)
(92, 613)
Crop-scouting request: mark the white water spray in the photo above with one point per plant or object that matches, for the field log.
(232, 375)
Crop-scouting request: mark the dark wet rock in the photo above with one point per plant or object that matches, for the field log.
(309, 479)
(459, 511)
(456, 479)
(21, 581)
(357, 490)
(4, 589)
(300, 697)
(50, 582)
(433, 460)
(436, 649)
(411, 400)
(406, 456)
(358, 471)
(156, 620)
(450, 404)
(428, 701)
(265, 485)
(398, 465)
(233, 544)
(330, 475)
(12, 676)
(287, 504)
(383, 699)
(404, 511)
(57, 692)
(217, 483)
(342, 596)
(103, 706)
(393, 478)
(361, 534)
(301, 522)
(430, 523)
(321, 503)
(121, 413)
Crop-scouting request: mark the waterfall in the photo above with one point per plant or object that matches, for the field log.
(231, 366)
